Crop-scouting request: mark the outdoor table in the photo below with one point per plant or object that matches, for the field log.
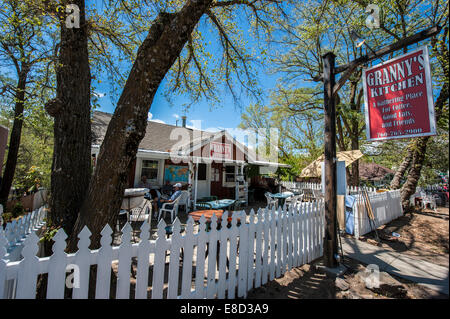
(208, 213)
(282, 197)
(217, 204)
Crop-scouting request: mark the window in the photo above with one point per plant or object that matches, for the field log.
(215, 174)
(150, 169)
(229, 174)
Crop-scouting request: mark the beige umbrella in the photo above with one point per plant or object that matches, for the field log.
(315, 168)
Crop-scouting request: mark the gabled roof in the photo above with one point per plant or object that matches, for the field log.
(373, 171)
(157, 138)
(157, 135)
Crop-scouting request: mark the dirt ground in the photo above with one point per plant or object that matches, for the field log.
(423, 234)
(311, 282)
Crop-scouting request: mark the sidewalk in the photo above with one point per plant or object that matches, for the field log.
(422, 272)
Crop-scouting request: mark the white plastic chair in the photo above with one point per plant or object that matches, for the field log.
(429, 199)
(293, 200)
(317, 194)
(270, 201)
(173, 211)
(184, 200)
(140, 214)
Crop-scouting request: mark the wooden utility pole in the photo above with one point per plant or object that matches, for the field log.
(330, 241)
(330, 90)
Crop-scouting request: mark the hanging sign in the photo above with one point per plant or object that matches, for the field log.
(398, 98)
(220, 150)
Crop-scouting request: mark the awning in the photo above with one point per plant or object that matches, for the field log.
(315, 168)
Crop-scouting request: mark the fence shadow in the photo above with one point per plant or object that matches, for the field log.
(306, 282)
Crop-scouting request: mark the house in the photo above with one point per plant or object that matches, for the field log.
(375, 174)
(206, 163)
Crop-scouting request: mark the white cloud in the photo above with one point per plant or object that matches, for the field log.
(151, 119)
(99, 94)
(176, 116)
(158, 121)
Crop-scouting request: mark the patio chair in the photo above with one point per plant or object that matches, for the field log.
(317, 193)
(270, 201)
(202, 205)
(237, 205)
(308, 194)
(184, 200)
(429, 199)
(172, 210)
(207, 199)
(293, 200)
(140, 214)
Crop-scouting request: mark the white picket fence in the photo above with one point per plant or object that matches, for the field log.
(17, 231)
(238, 259)
(318, 186)
(386, 207)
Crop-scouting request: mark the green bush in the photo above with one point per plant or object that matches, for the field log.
(7, 217)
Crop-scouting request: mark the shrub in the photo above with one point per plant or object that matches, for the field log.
(7, 217)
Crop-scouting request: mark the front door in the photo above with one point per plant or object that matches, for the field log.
(202, 182)
(216, 179)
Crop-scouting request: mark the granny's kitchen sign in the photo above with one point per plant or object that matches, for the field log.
(398, 98)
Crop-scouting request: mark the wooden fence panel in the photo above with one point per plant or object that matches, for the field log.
(143, 263)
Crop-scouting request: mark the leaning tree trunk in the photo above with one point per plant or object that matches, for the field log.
(419, 153)
(163, 44)
(355, 106)
(71, 167)
(396, 181)
(14, 140)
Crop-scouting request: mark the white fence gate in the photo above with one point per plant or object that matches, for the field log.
(191, 263)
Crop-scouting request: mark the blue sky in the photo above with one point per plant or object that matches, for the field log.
(226, 115)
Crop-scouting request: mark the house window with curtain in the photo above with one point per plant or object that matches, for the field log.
(150, 169)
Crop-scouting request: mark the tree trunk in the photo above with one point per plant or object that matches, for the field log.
(395, 183)
(14, 140)
(163, 44)
(71, 167)
(419, 153)
(355, 105)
